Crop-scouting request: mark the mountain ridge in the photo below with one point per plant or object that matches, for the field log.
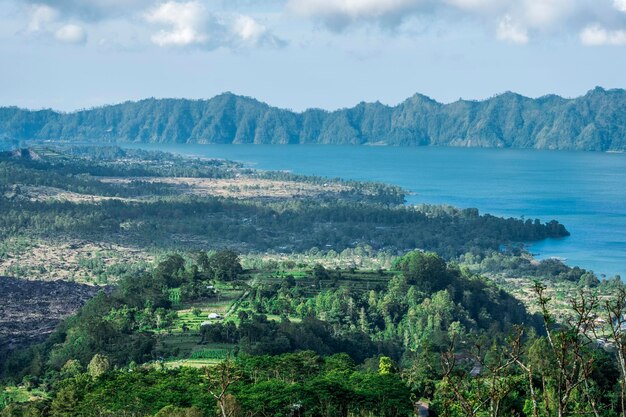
(595, 121)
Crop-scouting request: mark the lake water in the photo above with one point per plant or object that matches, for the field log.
(585, 191)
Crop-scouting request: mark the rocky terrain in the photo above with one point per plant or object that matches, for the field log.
(71, 260)
(30, 310)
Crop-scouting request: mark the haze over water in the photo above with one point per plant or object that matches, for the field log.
(585, 191)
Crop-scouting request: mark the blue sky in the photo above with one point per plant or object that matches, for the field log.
(71, 54)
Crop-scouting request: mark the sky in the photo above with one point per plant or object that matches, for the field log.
(298, 54)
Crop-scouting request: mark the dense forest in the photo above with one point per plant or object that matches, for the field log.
(427, 337)
(143, 211)
(596, 121)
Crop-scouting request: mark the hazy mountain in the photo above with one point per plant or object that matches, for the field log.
(595, 121)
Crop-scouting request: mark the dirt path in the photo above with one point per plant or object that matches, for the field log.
(235, 303)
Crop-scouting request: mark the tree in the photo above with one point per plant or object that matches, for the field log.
(319, 272)
(563, 359)
(386, 366)
(426, 270)
(224, 265)
(67, 400)
(202, 260)
(98, 365)
(289, 282)
(616, 314)
(71, 369)
(169, 270)
(220, 379)
(172, 411)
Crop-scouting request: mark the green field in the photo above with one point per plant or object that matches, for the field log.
(20, 395)
(180, 344)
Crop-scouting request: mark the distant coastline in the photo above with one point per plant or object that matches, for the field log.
(502, 182)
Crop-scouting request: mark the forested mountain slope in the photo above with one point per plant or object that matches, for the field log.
(595, 121)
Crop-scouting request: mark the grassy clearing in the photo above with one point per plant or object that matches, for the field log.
(275, 317)
(191, 315)
(359, 281)
(21, 395)
(182, 346)
(191, 363)
(178, 345)
(215, 352)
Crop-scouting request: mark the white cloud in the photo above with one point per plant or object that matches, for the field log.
(211, 24)
(353, 8)
(620, 5)
(511, 32)
(516, 21)
(473, 5)
(47, 22)
(338, 14)
(544, 13)
(252, 33)
(186, 23)
(248, 29)
(597, 35)
(41, 16)
(191, 24)
(71, 33)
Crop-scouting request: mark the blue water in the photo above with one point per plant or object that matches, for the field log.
(585, 191)
(7, 145)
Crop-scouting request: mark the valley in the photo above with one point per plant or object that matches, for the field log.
(149, 269)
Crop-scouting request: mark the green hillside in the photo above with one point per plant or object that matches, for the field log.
(595, 121)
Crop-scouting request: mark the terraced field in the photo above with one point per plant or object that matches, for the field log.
(181, 344)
